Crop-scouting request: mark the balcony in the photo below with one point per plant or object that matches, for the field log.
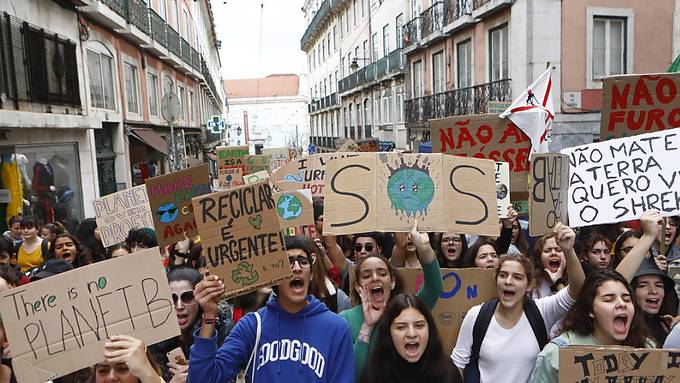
(36, 66)
(458, 15)
(412, 32)
(386, 67)
(159, 36)
(109, 13)
(457, 102)
(324, 103)
(433, 22)
(186, 55)
(174, 47)
(196, 60)
(318, 21)
(486, 8)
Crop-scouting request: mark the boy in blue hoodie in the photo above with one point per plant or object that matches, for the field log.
(301, 340)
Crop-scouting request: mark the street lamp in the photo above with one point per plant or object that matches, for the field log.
(354, 66)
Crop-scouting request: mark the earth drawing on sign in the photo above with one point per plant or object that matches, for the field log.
(289, 207)
(410, 188)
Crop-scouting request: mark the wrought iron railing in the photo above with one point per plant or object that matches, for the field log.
(457, 102)
(388, 65)
(118, 6)
(457, 8)
(158, 28)
(186, 51)
(138, 15)
(195, 59)
(323, 103)
(412, 31)
(173, 41)
(318, 20)
(36, 65)
(433, 19)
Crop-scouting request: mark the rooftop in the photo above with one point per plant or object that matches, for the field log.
(275, 85)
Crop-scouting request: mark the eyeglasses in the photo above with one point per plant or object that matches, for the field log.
(600, 251)
(368, 246)
(301, 260)
(451, 239)
(627, 249)
(187, 297)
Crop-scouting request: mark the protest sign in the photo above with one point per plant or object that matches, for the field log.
(502, 175)
(119, 212)
(241, 237)
(548, 192)
(229, 156)
(256, 163)
(370, 144)
(388, 191)
(305, 173)
(170, 199)
(485, 136)
(59, 324)
(635, 104)
(294, 208)
(346, 145)
(277, 157)
(618, 364)
(256, 177)
(617, 180)
(463, 289)
(230, 177)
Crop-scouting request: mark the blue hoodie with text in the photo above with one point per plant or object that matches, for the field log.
(312, 345)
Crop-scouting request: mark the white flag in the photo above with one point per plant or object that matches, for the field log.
(533, 112)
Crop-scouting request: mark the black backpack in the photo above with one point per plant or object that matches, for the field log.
(471, 373)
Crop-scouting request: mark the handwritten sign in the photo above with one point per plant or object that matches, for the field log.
(277, 157)
(616, 180)
(230, 177)
(242, 238)
(305, 173)
(346, 145)
(256, 163)
(485, 136)
(119, 212)
(388, 191)
(231, 165)
(170, 199)
(256, 177)
(370, 144)
(463, 289)
(294, 208)
(502, 177)
(59, 324)
(618, 364)
(635, 104)
(548, 192)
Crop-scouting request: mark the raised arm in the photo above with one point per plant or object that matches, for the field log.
(505, 238)
(335, 252)
(650, 221)
(398, 258)
(565, 239)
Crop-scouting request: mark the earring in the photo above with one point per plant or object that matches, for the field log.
(591, 315)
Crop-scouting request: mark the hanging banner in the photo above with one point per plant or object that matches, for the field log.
(617, 180)
(170, 199)
(485, 136)
(305, 173)
(119, 212)
(277, 157)
(618, 364)
(388, 191)
(59, 324)
(548, 192)
(242, 238)
(294, 208)
(502, 177)
(636, 104)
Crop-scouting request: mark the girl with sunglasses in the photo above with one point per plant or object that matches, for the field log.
(183, 281)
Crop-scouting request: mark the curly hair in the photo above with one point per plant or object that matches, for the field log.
(82, 255)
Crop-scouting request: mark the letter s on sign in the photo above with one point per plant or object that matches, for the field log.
(486, 208)
(357, 196)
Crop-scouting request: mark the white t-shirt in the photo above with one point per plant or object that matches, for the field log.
(508, 355)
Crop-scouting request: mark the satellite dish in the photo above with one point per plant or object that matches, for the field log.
(170, 107)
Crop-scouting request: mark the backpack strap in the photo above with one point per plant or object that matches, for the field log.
(44, 248)
(481, 325)
(536, 321)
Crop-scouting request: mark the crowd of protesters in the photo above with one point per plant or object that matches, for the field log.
(345, 317)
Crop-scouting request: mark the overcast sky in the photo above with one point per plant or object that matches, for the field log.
(238, 26)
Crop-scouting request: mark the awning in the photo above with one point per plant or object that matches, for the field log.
(151, 138)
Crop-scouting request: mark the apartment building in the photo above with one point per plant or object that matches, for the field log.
(475, 56)
(81, 83)
(356, 70)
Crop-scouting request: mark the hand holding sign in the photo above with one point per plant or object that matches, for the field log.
(651, 222)
(207, 293)
(512, 217)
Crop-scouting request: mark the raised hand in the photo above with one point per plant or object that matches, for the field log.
(565, 236)
(560, 270)
(512, 217)
(420, 240)
(131, 351)
(651, 222)
(207, 292)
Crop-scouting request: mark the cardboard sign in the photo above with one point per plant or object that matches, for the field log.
(618, 364)
(119, 212)
(548, 192)
(388, 191)
(616, 180)
(170, 199)
(347, 145)
(228, 156)
(229, 178)
(277, 157)
(242, 239)
(635, 104)
(59, 324)
(256, 177)
(463, 288)
(256, 163)
(294, 208)
(502, 176)
(305, 173)
(368, 145)
(485, 136)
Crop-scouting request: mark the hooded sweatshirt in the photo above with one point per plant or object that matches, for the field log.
(312, 345)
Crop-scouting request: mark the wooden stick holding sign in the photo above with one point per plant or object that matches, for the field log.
(618, 364)
(242, 239)
(59, 324)
(548, 192)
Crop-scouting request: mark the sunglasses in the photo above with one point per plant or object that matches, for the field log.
(368, 246)
(302, 260)
(187, 297)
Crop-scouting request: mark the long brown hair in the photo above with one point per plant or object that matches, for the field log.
(580, 321)
(394, 274)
